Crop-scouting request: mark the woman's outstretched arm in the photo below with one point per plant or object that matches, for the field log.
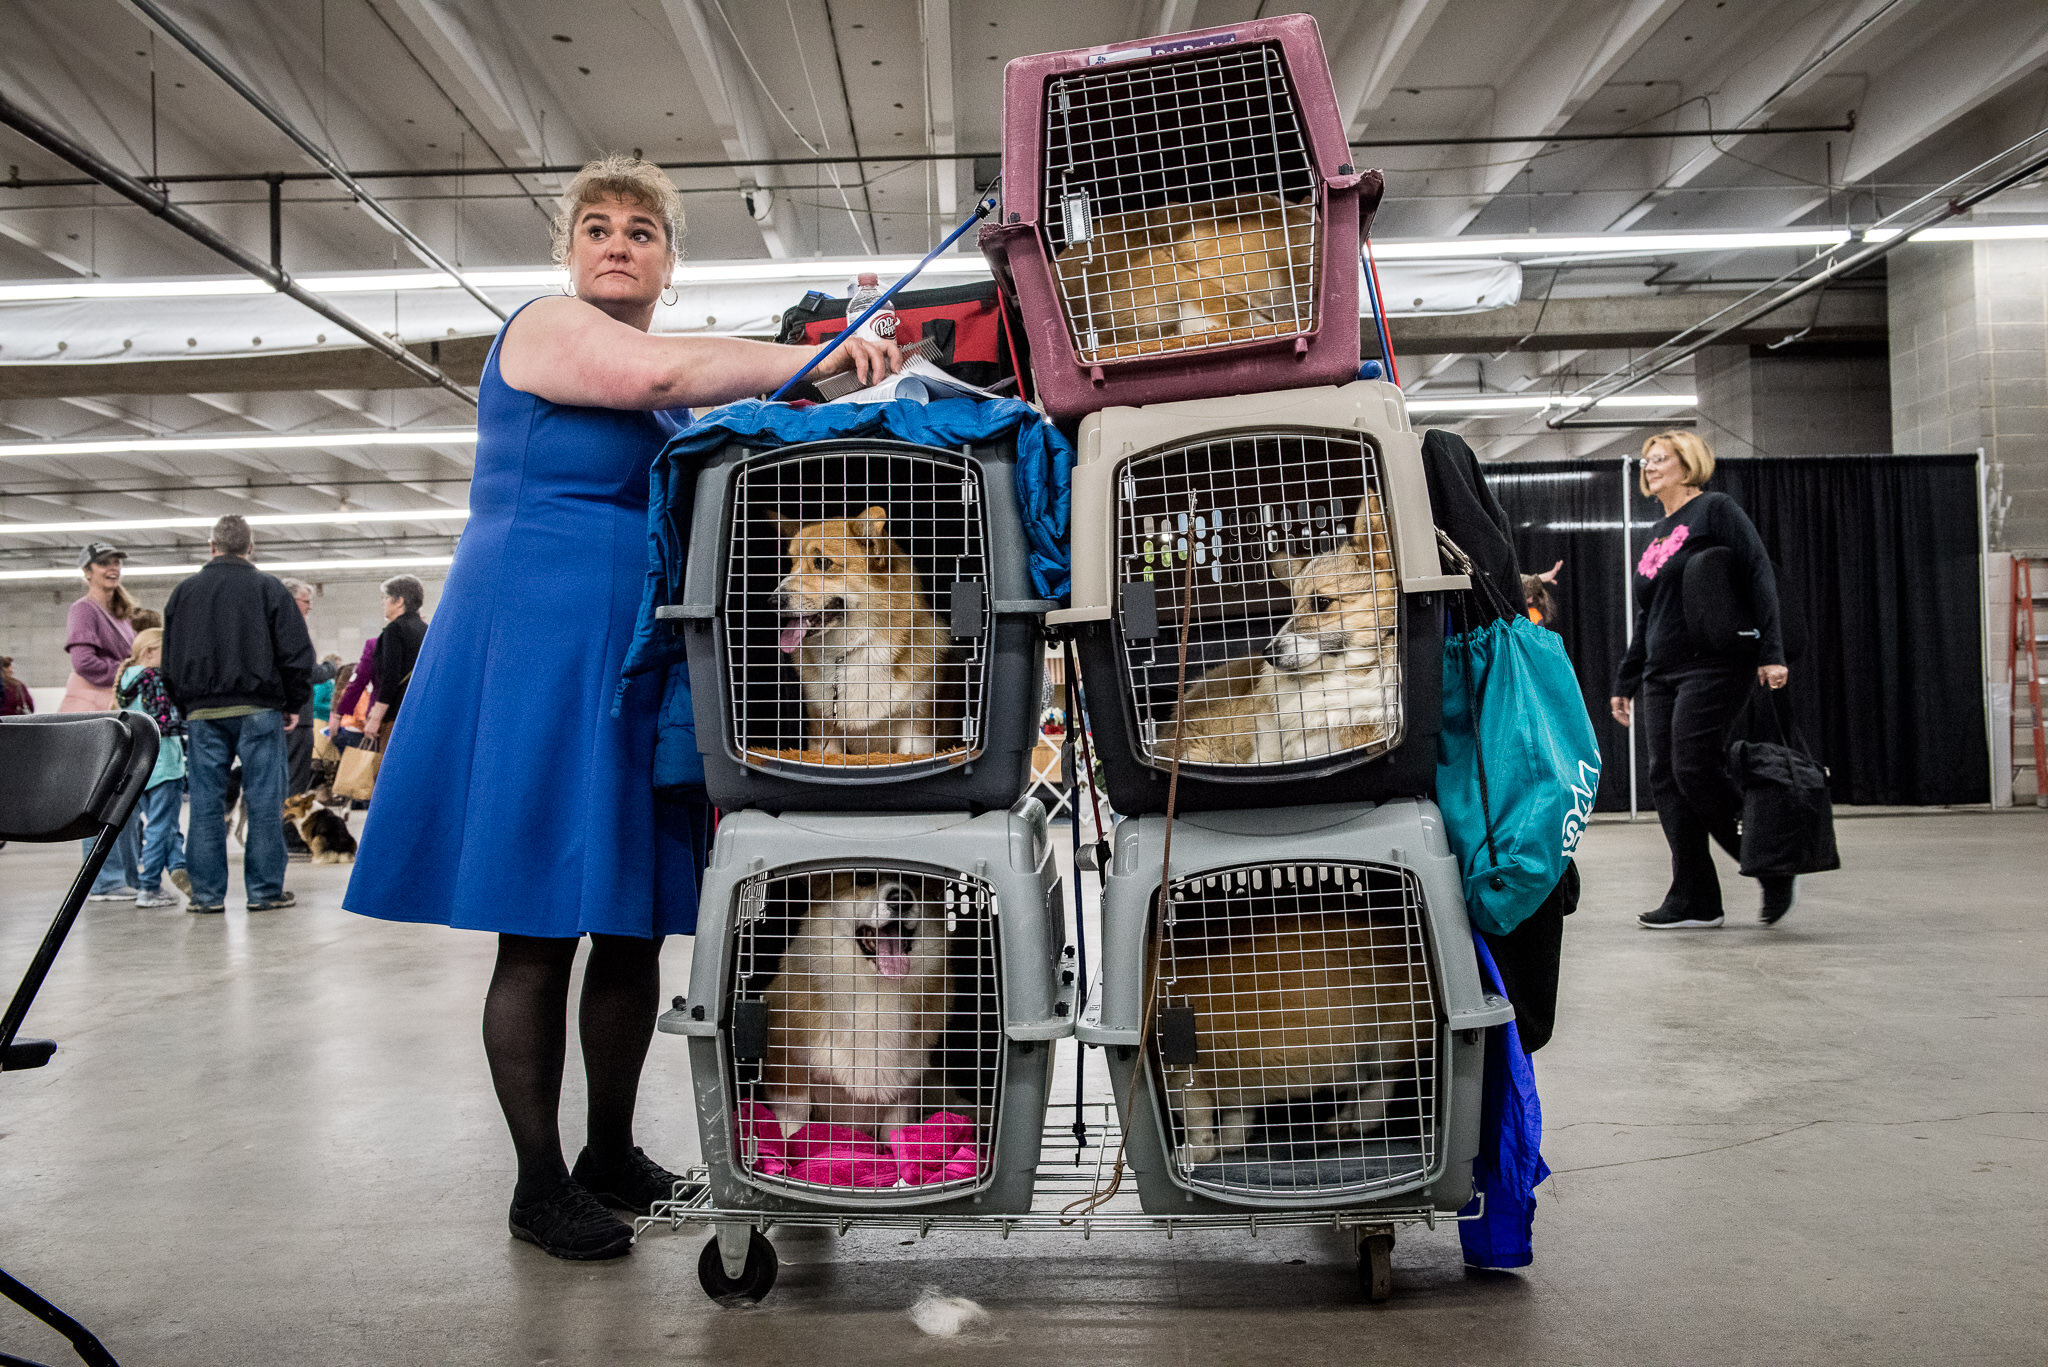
(570, 352)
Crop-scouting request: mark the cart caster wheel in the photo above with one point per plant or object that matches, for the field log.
(754, 1283)
(1376, 1267)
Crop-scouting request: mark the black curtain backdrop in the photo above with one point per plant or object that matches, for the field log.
(1878, 553)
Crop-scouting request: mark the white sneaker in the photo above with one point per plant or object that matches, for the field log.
(159, 898)
(120, 894)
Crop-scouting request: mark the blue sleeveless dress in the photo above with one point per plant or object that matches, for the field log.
(511, 798)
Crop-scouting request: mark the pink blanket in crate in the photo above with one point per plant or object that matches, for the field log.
(941, 1149)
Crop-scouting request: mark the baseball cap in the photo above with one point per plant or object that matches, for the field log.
(98, 550)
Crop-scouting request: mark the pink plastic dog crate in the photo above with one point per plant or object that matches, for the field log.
(1181, 217)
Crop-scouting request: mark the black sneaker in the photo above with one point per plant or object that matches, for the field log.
(277, 903)
(206, 908)
(1780, 896)
(571, 1223)
(635, 1184)
(1668, 917)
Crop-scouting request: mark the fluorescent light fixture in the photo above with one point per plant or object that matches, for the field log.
(1966, 232)
(838, 268)
(167, 524)
(380, 562)
(1602, 244)
(245, 441)
(1536, 403)
(43, 290)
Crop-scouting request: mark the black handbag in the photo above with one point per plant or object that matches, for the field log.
(1788, 817)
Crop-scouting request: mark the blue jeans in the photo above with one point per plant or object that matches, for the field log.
(163, 844)
(211, 748)
(120, 869)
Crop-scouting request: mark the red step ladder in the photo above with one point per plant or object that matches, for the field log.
(2023, 644)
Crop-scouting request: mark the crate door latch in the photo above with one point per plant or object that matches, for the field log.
(1178, 1047)
(750, 1030)
(968, 610)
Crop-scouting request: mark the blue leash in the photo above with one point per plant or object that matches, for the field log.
(981, 210)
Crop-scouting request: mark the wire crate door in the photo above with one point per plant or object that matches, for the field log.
(1270, 551)
(1182, 204)
(1297, 1031)
(865, 1049)
(857, 613)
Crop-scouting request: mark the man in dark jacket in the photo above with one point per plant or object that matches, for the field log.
(239, 665)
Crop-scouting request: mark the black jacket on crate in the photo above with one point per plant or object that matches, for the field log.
(233, 637)
(1470, 515)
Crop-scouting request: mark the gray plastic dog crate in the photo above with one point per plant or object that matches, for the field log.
(861, 628)
(857, 973)
(1287, 537)
(1319, 1018)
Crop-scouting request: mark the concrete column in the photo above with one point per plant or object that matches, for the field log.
(1969, 365)
(1826, 399)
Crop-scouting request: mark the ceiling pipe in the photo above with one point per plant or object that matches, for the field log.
(125, 185)
(19, 182)
(201, 53)
(1620, 382)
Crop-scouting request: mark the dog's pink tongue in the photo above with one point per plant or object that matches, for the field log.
(892, 956)
(793, 632)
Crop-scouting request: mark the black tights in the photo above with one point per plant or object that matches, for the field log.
(525, 1037)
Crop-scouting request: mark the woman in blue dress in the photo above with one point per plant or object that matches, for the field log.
(511, 799)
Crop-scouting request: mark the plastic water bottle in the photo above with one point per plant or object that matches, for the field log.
(866, 290)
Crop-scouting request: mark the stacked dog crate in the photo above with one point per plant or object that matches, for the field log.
(1292, 1013)
(877, 978)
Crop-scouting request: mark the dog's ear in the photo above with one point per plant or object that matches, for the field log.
(868, 526)
(1370, 523)
(786, 527)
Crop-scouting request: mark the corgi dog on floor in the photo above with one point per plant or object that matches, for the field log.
(325, 834)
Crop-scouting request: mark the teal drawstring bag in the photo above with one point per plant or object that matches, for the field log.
(1517, 763)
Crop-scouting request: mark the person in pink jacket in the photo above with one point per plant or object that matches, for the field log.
(97, 633)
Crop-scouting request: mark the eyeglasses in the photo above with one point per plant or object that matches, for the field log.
(1659, 458)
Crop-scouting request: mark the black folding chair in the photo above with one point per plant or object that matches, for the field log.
(64, 778)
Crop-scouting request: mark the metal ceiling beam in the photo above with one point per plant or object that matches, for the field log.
(159, 204)
(154, 13)
(1374, 54)
(722, 81)
(742, 163)
(1677, 349)
(1955, 69)
(936, 24)
(1552, 81)
(1780, 67)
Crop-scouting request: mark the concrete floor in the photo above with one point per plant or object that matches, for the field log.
(271, 1140)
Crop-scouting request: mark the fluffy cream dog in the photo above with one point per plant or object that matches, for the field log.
(858, 1007)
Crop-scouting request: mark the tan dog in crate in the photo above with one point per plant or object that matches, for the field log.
(877, 666)
(1313, 1005)
(1241, 267)
(857, 1009)
(1328, 681)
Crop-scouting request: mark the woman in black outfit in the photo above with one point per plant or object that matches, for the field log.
(1688, 695)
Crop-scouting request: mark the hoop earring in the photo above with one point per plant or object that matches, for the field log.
(672, 302)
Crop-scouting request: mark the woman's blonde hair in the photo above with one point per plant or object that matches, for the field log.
(144, 639)
(1695, 457)
(616, 174)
